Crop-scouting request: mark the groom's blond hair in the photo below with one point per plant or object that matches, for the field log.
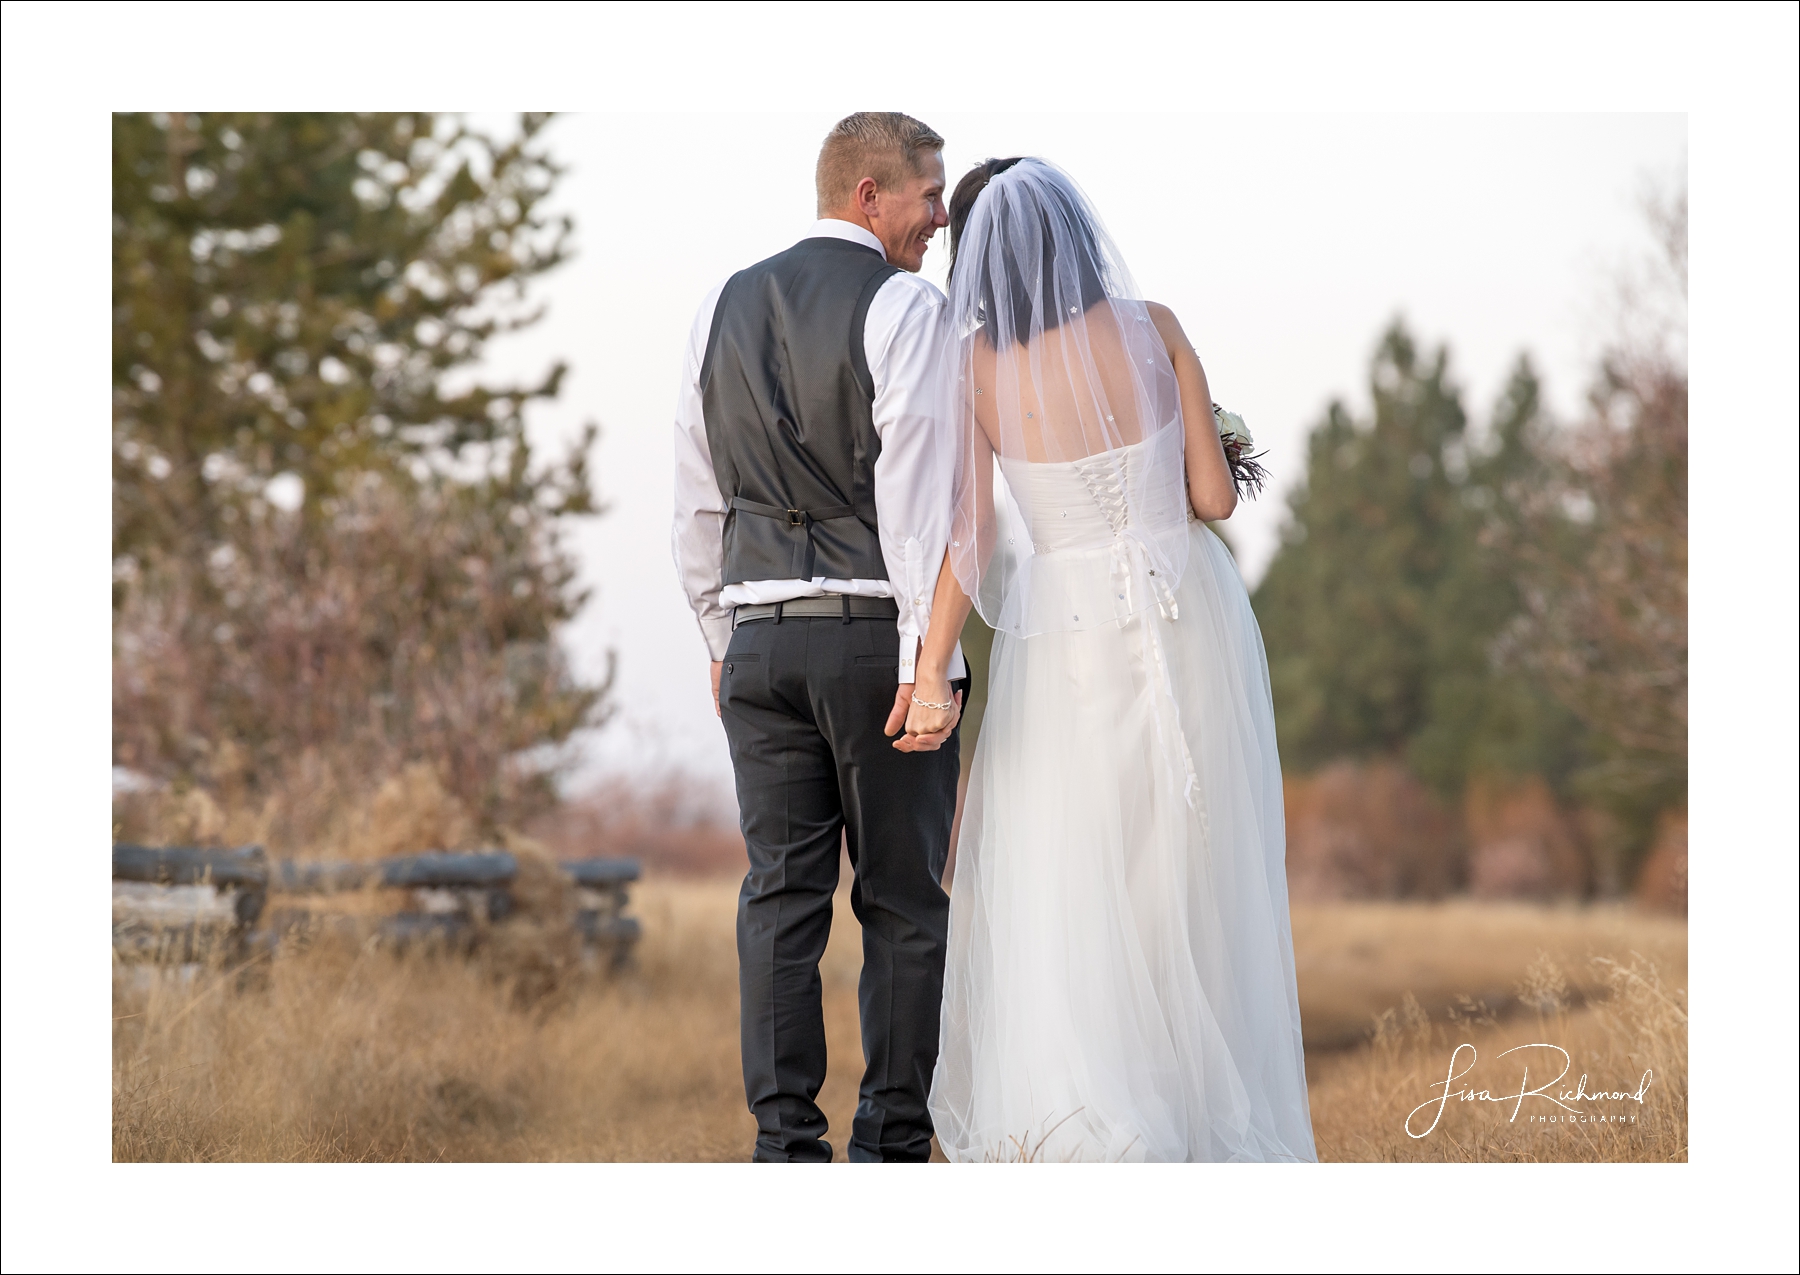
(885, 145)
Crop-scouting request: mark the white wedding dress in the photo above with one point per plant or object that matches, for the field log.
(1121, 971)
(1120, 976)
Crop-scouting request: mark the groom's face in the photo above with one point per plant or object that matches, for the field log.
(905, 218)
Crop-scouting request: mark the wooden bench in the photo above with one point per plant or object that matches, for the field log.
(174, 903)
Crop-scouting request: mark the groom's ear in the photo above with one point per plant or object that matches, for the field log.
(866, 198)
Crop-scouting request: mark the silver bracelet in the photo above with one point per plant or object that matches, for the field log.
(925, 703)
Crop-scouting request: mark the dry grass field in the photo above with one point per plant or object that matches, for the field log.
(1509, 996)
(337, 1053)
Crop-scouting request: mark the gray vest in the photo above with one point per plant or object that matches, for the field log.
(788, 401)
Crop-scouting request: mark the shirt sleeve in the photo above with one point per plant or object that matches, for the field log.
(907, 340)
(699, 534)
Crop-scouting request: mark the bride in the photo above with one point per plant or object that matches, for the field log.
(1120, 979)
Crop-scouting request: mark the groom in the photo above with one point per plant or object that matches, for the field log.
(811, 511)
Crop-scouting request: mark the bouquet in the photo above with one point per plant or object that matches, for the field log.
(1235, 437)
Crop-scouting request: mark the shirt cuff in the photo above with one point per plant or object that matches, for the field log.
(909, 654)
(716, 629)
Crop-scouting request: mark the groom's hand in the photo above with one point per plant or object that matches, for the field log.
(902, 705)
(718, 669)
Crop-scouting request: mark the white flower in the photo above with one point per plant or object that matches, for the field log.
(1232, 428)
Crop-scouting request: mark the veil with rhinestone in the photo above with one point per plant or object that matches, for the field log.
(1058, 363)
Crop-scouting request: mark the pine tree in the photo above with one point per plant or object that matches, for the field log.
(290, 295)
(1484, 715)
(1347, 604)
(335, 555)
(1384, 609)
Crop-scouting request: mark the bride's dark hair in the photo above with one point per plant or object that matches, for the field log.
(968, 190)
(1074, 221)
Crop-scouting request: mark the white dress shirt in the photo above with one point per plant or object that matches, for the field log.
(906, 339)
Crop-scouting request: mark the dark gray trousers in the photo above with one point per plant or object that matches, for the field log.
(804, 701)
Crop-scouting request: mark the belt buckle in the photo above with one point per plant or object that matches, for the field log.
(797, 518)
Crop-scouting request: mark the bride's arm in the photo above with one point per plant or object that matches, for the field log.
(1211, 491)
(972, 522)
(927, 728)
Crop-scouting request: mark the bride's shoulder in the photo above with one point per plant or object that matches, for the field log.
(1163, 317)
(1168, 327)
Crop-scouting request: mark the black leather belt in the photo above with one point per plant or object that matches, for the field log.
(833, 606)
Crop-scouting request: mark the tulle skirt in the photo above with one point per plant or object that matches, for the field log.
(1120, 978)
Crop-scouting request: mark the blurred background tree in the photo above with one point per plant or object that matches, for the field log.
(1348, 600)
(333, 548)
(290, 293)
(1500, 614)
(1602, 551)
(1394, 578)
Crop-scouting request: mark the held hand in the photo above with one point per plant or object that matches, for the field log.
(902, 705)
(928, 728)
(718, 668)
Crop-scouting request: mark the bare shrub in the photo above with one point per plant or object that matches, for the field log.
(537, 949)
(1522, 845)
(678, 825)
(1662, 884)
(1603, 552)
(1368, 830)
(390, 684)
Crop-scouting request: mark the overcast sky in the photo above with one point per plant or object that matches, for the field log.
(1285, 243)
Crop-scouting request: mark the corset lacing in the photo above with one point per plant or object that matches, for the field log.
(1104, 476)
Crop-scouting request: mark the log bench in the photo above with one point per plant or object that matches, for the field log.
(183, 904)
